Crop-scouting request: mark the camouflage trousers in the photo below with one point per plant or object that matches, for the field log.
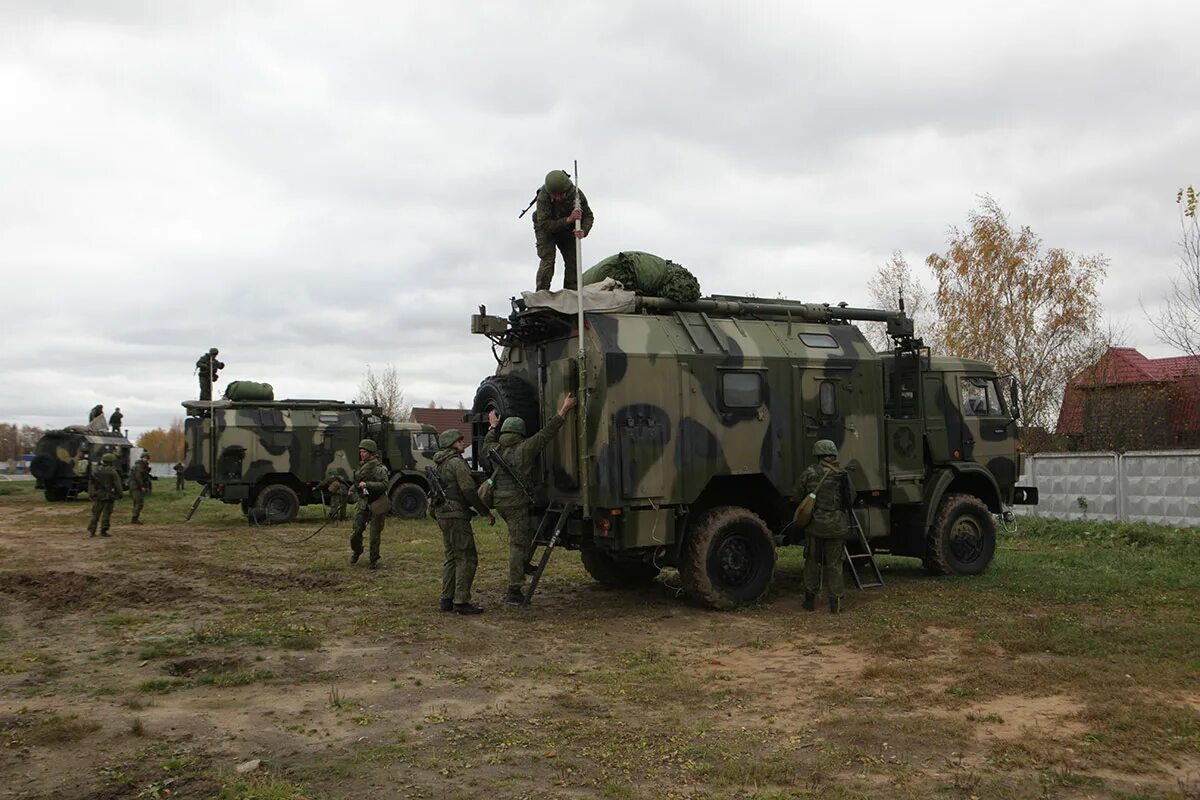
(179, 483)
(205, 387)
(520, 542)
(101, 514)
(139, 500)
(461, 559)
(823, 564)
(337, 507)
(361, 515)
(565, 244)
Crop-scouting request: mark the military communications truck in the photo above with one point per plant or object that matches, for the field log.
(63, 459)
(273, 455)
(696, 420)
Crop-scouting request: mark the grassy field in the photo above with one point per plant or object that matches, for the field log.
(154, 663)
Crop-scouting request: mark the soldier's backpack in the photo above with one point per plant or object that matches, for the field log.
(804, 511)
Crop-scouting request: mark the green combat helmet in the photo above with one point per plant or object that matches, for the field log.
(368, 445)
(448, 438)
(513, 425)
(558, 182)
(108, 459)
(212, 351)
(824, 447)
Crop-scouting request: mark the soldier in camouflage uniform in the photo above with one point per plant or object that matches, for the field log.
(554, 227)
(454, 518)
(139, 485)
(825, 535)
(335, 486)
(104, 488)
(206, 367)
(179, 468)
(116, 419)
(509, 499)
(371, 481)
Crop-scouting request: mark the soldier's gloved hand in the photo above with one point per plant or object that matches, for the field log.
(580, 234)
(574, 215)
(493, 418)
(491, 519)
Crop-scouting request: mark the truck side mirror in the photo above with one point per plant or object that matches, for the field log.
(1014, 397)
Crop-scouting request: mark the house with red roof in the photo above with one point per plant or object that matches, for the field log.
(443, 419)
(1126, 401)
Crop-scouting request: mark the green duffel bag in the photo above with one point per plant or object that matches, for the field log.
(249, 391)
(647, 274)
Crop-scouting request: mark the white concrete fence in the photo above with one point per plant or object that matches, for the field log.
(1162, 487)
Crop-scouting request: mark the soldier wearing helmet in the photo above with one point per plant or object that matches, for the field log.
(371, 482)
(104, 487)
(509, 498)
(454, 518)
(207, 367)
(825, 534)
(139, 485)
(554, 226)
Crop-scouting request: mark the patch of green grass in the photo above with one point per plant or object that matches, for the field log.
(263, 787)
(161, 685)
(225, 680)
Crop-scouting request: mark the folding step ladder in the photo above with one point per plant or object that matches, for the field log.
(860, 558)
(557, 517)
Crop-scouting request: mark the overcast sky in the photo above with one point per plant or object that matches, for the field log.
(317, 187)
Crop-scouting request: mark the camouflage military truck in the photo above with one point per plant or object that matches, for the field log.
(63, 459)
(700, 417)
(272, 455)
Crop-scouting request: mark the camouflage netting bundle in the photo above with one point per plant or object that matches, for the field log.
(249, 391)
(647, 274)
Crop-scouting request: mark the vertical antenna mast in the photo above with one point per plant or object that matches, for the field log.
(582, 421)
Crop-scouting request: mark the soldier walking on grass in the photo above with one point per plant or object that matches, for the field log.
(825, 535)
(509, 498)
(104, 488)
(371, 482)
(179, 468)
(454, 518)
(116, 419)
(139, 485)
(207, 367)
(554, 227)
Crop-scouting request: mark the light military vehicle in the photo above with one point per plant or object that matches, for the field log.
(697, 419)
(273, 455)
(63, 459)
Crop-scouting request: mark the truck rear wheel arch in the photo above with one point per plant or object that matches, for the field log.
(728, 557)
(967, 479)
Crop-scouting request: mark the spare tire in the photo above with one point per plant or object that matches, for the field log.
(508, 396)
(42, 466)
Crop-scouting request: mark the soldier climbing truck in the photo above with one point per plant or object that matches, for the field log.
(696, 419)
(63, 459)
(273, 455)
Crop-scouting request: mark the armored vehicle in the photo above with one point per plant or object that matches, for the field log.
(63, 459)
(697, 419)
(273, 455)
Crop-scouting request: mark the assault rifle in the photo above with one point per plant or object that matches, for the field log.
(500, 460)
(437, 490)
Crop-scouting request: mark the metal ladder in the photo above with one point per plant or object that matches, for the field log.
(860, 557)
(559, 516)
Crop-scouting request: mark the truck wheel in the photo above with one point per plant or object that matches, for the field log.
(611, 571)
(56, 494)
(729, 558)
(510, 396)
(963, 539)
(408, 501)
(277, 504)
(42, 466)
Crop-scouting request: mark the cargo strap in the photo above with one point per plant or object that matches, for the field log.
(556, 516)
(860, 558)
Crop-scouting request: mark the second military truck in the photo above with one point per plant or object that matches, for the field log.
(696, 419)
(274, 455)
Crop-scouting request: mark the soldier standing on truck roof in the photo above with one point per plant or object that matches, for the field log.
(509, 498)
(554, 227)
(104, 488)
(825, 535)
(116, 419)
(139, 485)
(371, 481)
(454, 518)
(207, 367)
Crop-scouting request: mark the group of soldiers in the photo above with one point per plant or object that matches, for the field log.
(104, 489)
(96, 419)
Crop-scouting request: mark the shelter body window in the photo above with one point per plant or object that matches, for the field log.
(741, 389)
(818, 340)
(980, 399)
(424, 441)
(827, 399)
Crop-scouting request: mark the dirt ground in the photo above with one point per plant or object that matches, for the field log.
(158, 662)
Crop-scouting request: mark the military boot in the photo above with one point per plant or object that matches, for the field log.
(374, 564)
(354, 558)
(514, 597)
(810, 601)
(835, 605)
(467, 608)
(446, 604)
(530, 569)
(136, 521)
(104, 533)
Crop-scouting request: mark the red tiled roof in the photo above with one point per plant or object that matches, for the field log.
(443, 419)
(1125, 366)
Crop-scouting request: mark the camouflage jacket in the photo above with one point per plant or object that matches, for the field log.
(105, 484)
(831, 514)
(373, 473)
(115, 419)
(139, 476)
(202, 364)
(550, 218)
(461, 494)
(521, 453)
(179, 468)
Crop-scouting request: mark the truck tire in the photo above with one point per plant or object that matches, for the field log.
(408, 501)
(963, 538)
(42, 466)
(510, 396)
(56, 493)
(277, 504)
(616, 572)
(729, 558)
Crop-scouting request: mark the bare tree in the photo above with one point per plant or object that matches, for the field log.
(1179, 322)
(382, 389)
(893, 279)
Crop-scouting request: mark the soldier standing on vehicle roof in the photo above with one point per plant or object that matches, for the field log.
(115, 420)
(825, 535)
(554, 227)
(139, 485)
(371, 481)
(509, 498)
(179, 468)
(207, 367)
(104, 488)
(454, 518)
